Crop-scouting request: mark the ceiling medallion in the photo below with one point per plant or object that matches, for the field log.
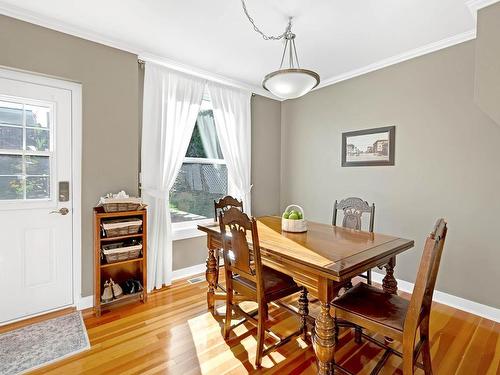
(291, 81)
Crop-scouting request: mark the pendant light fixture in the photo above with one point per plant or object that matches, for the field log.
(291, 81)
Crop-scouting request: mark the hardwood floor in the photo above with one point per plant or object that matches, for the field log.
(174, 334)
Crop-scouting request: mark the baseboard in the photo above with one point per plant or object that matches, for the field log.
(472, 307)
(84, 303)
(188, 271)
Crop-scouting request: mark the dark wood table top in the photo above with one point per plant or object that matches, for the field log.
(331, 249)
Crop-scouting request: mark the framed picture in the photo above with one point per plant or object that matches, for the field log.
(369, 147)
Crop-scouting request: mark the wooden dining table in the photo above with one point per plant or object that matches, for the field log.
(324, 260)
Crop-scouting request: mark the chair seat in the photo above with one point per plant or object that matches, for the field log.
(276, 284)
(374, 304)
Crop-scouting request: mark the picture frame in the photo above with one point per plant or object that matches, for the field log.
(369, 147)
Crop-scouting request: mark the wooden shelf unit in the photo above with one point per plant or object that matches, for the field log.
(119, 271)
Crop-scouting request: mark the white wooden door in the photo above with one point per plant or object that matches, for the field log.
(36, 265)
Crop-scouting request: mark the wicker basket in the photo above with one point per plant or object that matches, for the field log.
(117, 252)
(295, 226)
(121, 227)
(120, 205)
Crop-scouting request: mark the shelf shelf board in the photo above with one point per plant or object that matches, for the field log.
(122, 298)
(117, 238)
(99, 211)
(108, 265)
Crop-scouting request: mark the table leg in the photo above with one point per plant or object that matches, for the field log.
(389, 283)
(211, 276)
(324, 340)
(324, 328)
(303, 311)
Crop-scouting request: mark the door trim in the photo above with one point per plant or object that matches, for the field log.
(76, 167)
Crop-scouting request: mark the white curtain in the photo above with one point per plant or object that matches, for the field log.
(171, 104)
(231, 109)
(208, 134)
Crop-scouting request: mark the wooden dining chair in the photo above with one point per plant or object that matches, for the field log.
(248, 280)
(353, 209)
(221, 205)
(394, 316)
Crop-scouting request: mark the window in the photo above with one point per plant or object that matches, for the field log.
(203, 175)
(25, 150)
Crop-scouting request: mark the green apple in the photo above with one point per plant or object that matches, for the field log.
(286, 215)
(300, 216)
(293, 216)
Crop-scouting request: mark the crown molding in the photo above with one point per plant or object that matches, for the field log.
(214, 77)
(51, 23)
(475, 5)
(63, 27)
(424, 50)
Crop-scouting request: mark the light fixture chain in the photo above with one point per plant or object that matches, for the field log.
(266, 37)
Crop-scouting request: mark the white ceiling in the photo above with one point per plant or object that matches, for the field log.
(336, 38)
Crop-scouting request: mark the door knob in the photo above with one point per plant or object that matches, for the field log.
(63, 211)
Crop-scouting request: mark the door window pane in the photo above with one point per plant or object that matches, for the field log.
(11, 113)
(25, 130)
(37, 187)
(37, 165)
(37, 140)
(11, 138)
(11, 164)
(11, 187)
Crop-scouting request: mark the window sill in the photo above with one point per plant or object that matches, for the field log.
(184, 232)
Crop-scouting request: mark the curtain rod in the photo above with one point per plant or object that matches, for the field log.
(142, 64)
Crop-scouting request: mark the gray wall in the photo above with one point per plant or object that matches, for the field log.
(112, 105)
(189, 252)
(447, 163)
(446, 154)
(266, 139)
(488, 61)
(110, 112)
(266, 156)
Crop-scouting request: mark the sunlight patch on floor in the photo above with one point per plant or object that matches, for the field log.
(239, 351)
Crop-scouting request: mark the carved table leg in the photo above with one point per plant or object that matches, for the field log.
(324, 340)
(389, 283)
(303, 311)
(211, 276)
(324, 327)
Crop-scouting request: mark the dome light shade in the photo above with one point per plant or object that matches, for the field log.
(290, 83)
